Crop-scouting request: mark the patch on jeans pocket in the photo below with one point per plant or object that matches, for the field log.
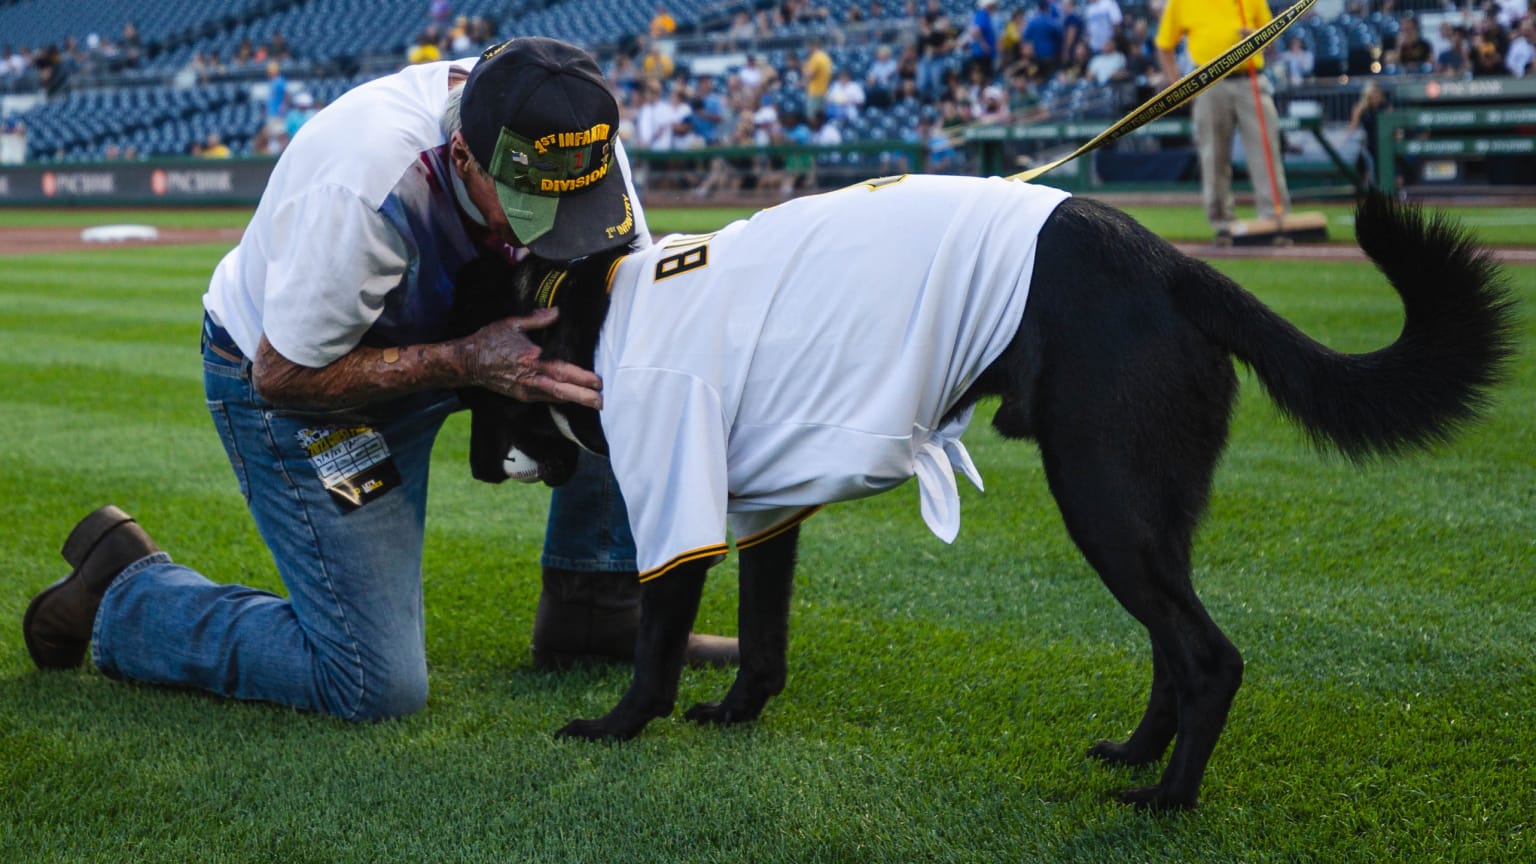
(353, 462)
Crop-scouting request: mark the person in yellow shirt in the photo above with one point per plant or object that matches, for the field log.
(657, 66)
(215, 148)
(1211, 27)
(425, 49)
(817, 72)
(662, 23)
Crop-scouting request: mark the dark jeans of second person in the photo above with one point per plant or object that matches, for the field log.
(340, 500)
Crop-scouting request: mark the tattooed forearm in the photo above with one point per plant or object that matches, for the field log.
(499, 357)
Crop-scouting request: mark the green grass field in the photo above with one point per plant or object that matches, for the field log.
(940, 697)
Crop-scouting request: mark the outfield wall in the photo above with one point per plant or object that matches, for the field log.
(180, 182)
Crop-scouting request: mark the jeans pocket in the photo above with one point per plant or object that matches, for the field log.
(226, 429)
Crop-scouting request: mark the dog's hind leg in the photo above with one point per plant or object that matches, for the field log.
(767, 578)
(668, 605)
(1155, 731)
(1136, 533)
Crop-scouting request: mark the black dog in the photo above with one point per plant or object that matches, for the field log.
(1121, 371)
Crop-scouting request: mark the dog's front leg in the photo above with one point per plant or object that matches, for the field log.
(668, 605)
(767, 577)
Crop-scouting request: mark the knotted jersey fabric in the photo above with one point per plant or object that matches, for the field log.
(810, 355)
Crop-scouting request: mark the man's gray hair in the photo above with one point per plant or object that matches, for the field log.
(452, 120)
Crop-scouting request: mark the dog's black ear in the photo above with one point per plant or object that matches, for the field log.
(579, 289)
(485, 290)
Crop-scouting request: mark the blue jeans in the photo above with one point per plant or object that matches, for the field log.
(340, 500)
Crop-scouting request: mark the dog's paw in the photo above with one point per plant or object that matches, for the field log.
(1154, 799)
(601, 729)
(719, 714)
(1115, 753)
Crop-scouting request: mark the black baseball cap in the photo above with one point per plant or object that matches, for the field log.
(539, 117)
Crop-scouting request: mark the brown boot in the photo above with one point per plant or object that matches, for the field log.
(57, 626)
(587, 618)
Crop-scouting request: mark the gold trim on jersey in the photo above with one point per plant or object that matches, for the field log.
(691, 555)
(769, 533)
(613, 270)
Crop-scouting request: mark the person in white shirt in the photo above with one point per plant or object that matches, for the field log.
(1101, 18)
(845, 97)
(1522, 48)
(333, 348)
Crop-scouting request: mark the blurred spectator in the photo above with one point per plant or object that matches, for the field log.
(981, 38)
(653, 129)
(711, 114)
(663, 24)
(214, 147)
(825, 132)
(817, 72)
(993, 107)
(624, 75)
(1044, 33)
(439, 11)
(1365, 120)
(1453, 61)
(14, 63)
(246, 54)
(303, 109)
(1297, 62)
(685, 135)
(425, 49)
(741, 30)
(1109, 64)
(880, 79)
(1101, 19)
(52, 71)
(751, 73)
(277, 48)
(460, 42)
(131, 48)
(275, 128)
(1414, 54)
(845, 97)
(791, 72)
(1071, 29)
(1076, 68)
(765, 123)
(1012, 36)
(657, 64)
(1522, 49)
(1486, 56)
(674, 111)
(942, 156)
(1510, 12)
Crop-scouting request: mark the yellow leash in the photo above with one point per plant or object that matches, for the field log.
(1184, 89)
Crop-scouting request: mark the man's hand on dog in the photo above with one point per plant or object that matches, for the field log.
(500, 357)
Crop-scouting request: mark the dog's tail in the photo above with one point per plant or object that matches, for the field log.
(1458, 337)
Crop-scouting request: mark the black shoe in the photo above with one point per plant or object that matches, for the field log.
(592, 618)
(57, 626)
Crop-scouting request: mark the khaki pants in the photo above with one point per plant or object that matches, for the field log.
(1228, 104)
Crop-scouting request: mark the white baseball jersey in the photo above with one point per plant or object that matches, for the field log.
(809, 355)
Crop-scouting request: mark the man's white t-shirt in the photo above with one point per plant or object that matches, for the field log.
(809, 355)
(359, 231)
